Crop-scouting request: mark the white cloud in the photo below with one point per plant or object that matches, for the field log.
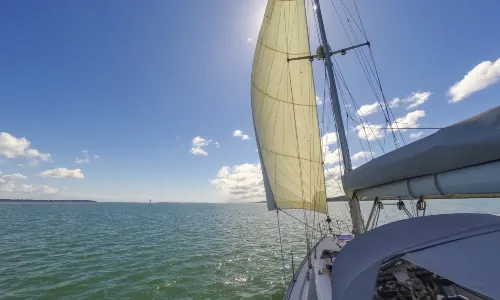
(333, 178)
(33, 163)
(20, 166)
(12, 147)
(26, 188)
(480, 77)
(13, 177)
(328, 138)
(410, 120)
(331, 158)
(362, 154)
(199, 143)
(370, 132)
(394, 103)
(368, 109)
(198, 151)
(33, 153)
(85, 159)
(239, 133)
(416, 135)
(45, 189)
(249, 40)
(240, 182)
(417, 99)
(318, 100)
(41, 189)
(9, 186)
(63, 173)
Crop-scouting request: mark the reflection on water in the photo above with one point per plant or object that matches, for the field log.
(164, 251)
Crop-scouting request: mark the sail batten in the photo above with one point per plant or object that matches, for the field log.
(284, 111)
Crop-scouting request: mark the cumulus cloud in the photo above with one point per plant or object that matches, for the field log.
(368, 109)
(245, 182)
(13, 177)
(318, 100)
(410, 120)
(7, 186)
(417, 99)
(63, 173)
(480, 77)
(394, 103)
(416, 135)
(249, 40)
(199, 143)
(331, 157)
(240, 182)
(333, 178)
(12, 147)
(239, 133)
(26, 188)
(8, 181)
(370, 132)
(362, 154)
(41, 189)
(328, 139)
(45, 189)
(198, 151)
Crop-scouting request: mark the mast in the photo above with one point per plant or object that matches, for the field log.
(356, 217)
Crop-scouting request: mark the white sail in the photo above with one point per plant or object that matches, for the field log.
(284, 111)
(461, 160)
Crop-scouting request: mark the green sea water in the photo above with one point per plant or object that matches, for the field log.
(163, 251)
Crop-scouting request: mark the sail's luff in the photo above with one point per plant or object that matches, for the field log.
(284, 110)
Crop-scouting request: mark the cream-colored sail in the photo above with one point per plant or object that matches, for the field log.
(284, 110)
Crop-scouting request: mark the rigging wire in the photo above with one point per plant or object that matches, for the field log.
(367, 69)
(297, 219)
(281, 247)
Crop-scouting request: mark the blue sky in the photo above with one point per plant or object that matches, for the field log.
(135, 82)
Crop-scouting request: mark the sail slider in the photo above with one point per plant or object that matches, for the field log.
(321, 55)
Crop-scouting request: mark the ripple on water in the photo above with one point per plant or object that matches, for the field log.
(164, 251)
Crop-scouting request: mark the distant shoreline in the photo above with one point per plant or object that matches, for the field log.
(44, 201)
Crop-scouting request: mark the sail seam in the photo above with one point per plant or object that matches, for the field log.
(279, 51)
(301, 158)
(277, 99)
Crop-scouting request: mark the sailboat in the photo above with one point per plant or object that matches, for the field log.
(451, 256)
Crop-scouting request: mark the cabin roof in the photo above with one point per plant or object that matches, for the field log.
(452, 245)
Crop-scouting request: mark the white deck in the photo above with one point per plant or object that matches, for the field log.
(315, 283)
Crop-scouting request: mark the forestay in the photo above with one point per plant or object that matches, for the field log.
(460, 160)
(284, 111)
